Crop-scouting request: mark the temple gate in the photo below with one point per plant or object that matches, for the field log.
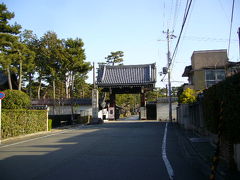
(127, 79)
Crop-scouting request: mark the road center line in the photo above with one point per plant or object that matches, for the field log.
(164, 155)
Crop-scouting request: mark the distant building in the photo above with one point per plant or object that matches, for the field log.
(66, 106)
(82, 107)
(207, 68)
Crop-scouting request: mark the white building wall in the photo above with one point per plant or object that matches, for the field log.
(83, 110)
(163, 111)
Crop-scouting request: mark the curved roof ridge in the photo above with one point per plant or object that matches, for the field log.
(129, 65)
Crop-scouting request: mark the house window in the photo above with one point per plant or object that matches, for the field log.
(213, 76)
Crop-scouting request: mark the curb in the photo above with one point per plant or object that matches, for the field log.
(204, 161)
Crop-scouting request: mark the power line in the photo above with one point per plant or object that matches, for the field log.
(230, 33)
(164, 9)
(239, 40)
(185, 12)
(175, 17)
(170, 15)
(189, 15)
(223, 10)
(187, 8)
(183, 24)
(175, 81)
(195, 38)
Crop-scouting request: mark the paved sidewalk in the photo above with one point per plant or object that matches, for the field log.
(205, 150)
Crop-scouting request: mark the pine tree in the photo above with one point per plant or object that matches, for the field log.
(115, 57)
(8, 40)
(77, 68)
(29, 67)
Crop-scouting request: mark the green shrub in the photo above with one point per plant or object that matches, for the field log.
(20, 122)
(188, 96)
(15, 99)
(49, 124)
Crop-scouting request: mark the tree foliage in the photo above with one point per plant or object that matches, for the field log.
(8, 40)
(155, 94)
(115, 57)
(76, 66)
(188, 96)
(227, 93)
(129, 102)
(45, 66)
(5, 16)
(15, 99)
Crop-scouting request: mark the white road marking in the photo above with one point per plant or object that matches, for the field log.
(164, 155)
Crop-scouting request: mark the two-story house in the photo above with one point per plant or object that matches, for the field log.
(207, 68)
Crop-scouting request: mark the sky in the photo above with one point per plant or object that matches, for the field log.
(135, 27)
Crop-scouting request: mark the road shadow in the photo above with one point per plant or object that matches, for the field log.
(105, 151)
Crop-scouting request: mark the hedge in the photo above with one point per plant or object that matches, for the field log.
(20, 122)
(228, 92)
(15, 99)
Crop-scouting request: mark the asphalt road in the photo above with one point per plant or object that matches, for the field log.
(122, 150)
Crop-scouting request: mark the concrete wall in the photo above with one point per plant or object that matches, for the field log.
(68, 110)
(190, 116)
(82, 110)
(210, 58)
(206, 59)
(183, 116)
(163, 111)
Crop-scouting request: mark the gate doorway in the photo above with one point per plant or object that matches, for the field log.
(151, 111)
(126, 79)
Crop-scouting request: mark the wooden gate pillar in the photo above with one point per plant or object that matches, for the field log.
(143, 111)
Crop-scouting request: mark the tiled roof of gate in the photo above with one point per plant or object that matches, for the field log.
(126, 75)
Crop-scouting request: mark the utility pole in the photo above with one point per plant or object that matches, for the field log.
(94, 78)
(169, 61)
(239, 40)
